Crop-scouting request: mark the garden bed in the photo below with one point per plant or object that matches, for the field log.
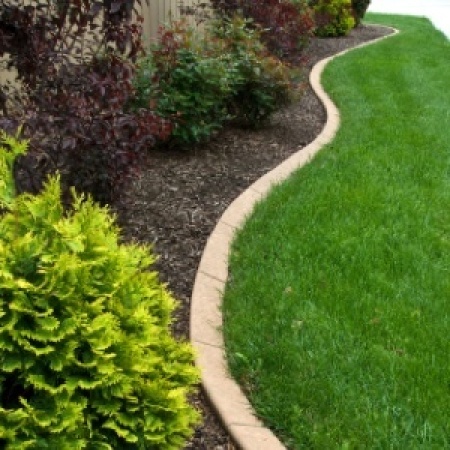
(180, 194)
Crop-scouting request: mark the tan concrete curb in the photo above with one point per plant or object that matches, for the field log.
(236, 413)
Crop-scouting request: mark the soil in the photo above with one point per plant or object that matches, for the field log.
(180, 194)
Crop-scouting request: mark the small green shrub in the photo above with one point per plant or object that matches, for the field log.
(359, 9)
(185, 83)
(265, 87)
(261, 82)
(87, 360)
(333, 17)
(199, 83)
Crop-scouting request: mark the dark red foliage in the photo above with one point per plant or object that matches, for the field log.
(82, 130)
(30, 31)
(286, 27)
(74, 64)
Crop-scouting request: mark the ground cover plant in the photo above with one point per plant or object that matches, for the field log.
(336, 312)
(87, 358)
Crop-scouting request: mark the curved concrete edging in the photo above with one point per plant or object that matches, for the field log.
(237, 415)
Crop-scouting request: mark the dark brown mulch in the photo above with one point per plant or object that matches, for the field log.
(181, 194)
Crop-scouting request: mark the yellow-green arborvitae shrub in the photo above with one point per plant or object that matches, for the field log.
(87, 360)
(333, 17)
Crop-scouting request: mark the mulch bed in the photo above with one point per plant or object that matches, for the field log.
(180, 195)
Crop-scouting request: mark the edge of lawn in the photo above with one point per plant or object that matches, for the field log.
(225, 395)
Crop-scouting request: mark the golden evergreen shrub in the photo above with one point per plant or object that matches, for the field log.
(87, 360)
(333, 17)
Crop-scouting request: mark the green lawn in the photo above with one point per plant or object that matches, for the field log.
(337, 315)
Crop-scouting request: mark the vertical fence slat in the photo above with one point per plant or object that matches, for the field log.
(157, 12)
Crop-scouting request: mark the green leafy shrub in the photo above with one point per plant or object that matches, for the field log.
(9, 152)
(262, 82)
(185, 82)
(87, 360)
(359, 9)
(333, 17)
(199, 83)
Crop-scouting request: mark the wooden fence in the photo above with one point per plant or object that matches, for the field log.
(160, 11)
